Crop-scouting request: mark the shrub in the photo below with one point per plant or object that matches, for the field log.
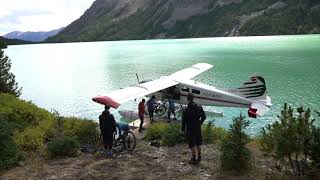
(34, 137)
(84, 131)
(8, 150)
(63, 147)
(31, 138)
(234, 154)
(169, 134)
(210, 133)
(156, 131)
(22, 113)
(35, 126)
(219, 133)
(290, 138)
(173, 135)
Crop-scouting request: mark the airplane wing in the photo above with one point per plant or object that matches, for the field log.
(191, 72)
(115, 98)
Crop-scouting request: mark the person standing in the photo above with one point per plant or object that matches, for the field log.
(150, 105)
(192, 119)
(171, 109)
(142, 111)
(107, 127)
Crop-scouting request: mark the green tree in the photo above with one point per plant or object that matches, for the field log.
(234, 153)
(59, 123)
(7, 79)
(290, 138)
(8, 150)
(315, 145)
(3, 44)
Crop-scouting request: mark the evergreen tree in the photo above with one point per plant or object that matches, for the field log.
(234, 153)
(7, 79)
(290, 138)
(2, 44)
(315, 144)
(8, 149)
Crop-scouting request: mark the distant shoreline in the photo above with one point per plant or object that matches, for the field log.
(120, 40)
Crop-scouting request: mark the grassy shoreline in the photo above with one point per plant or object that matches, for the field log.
(33, 128)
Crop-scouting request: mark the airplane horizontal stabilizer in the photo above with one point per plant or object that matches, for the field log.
(257, 109)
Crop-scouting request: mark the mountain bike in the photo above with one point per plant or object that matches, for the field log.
(160, 108)
(124, 140)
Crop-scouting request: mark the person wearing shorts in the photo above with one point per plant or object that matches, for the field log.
(192, 118)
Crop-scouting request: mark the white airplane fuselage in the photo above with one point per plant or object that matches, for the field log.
(210, 96)
(251, 94)
(204, 95)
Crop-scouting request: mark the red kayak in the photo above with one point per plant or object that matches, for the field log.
(107, 101)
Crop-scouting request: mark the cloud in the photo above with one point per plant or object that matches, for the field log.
(39, 15)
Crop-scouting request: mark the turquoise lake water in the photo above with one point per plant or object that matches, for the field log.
(66, 76)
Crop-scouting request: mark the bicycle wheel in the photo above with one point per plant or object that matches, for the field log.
(130, 141)
(161, 110)
(119, 145)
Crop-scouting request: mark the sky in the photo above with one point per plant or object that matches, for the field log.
(39, 15)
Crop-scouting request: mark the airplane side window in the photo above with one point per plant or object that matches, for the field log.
(185, 89)
(194, 91)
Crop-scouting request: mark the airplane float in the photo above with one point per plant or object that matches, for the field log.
(252, 94)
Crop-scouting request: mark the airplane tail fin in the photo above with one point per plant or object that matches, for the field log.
(254, 88)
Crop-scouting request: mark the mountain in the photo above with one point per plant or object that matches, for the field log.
(32, 36)
(4, 42)
(149, 19)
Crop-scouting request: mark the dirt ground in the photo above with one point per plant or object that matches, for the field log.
(146, 162)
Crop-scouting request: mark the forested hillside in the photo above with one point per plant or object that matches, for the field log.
(148, 19)
(13, 41)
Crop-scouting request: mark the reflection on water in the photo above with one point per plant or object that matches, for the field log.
(66, 76)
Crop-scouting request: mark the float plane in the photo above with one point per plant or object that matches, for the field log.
(252, 94)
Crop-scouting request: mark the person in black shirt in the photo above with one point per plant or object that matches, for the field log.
(192, 118)
(150, 105)
(107, 127)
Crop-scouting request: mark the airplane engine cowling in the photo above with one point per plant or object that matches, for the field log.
(252, 113)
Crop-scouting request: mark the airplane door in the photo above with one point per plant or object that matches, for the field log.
(174, 92)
